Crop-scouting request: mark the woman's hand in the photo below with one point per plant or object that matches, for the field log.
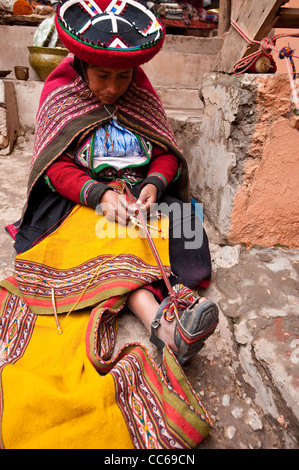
(115, 207)
(147, 196)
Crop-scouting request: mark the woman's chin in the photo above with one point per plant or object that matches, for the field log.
(108, 101)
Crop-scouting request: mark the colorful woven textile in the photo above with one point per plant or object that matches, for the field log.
(68, 390)
(117, 33)
(69, 111)
(62, 384)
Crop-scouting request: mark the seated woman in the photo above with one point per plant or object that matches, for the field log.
(105, 157)
(119, 137)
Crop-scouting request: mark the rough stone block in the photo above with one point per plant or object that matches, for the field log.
(244, 159)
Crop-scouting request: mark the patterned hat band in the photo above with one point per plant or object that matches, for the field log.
(117, 34)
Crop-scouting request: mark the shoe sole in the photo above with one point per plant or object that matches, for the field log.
(200, 323)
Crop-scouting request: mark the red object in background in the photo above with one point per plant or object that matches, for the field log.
(263, 64)
(196, 3)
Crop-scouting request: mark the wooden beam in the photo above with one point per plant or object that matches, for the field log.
(256, 18)
(10, 125)
(288, 18)
(224, 16)
(24, 20)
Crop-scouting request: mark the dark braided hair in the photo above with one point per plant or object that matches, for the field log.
(80, 66)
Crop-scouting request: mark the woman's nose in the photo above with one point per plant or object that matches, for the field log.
(112, 86)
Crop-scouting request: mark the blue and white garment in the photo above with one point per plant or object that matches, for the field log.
(116, 146)
(111, 148)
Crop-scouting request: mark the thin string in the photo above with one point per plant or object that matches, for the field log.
(113, 116)
(266, 46)
(93, 278)
(174, 297)
(108, 136)
(286, 53)
(150, 240)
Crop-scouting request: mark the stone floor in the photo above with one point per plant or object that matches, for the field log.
(247, 375)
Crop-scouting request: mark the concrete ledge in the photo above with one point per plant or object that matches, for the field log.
(181, 104)
(192, 45)
(179, 98)
(180, 69)
(28, 96)
(23, 102)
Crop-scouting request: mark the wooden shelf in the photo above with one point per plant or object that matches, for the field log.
(257, 18)
(288, 18)
(193, 25)
(23, 20)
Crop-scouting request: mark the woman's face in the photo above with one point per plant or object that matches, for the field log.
(108, 84)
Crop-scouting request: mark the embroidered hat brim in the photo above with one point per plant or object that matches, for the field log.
(122, 34)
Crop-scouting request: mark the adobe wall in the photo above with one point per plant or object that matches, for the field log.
(244, 161)
(266, 210)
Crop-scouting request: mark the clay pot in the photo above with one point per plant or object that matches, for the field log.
(21, 72)
(3, 73)
(45, 59)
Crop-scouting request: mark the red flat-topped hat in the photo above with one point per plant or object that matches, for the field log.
(114, 34)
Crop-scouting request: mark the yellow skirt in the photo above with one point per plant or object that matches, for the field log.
(61, 386)
(55, 399)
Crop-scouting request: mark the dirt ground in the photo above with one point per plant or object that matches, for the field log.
(247, 375)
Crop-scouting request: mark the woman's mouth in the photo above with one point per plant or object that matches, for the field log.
(109, 99)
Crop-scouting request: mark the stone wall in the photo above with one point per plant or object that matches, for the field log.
(244, 160)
